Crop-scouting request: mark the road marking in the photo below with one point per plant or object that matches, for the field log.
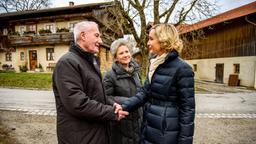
(223, 115)
(52, 112)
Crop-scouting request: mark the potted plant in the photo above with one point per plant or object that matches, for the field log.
(39, 68)
(44, 31)
(14, 33)
(62, 30)
(23, 68)
(29, 32)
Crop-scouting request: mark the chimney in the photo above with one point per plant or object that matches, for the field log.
(71, 3)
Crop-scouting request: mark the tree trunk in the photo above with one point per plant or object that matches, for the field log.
(145, 61)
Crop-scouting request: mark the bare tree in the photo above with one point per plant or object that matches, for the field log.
(133, 16)
(23, 5)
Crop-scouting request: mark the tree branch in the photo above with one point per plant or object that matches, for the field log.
(22, 5)
(127, 21)
(156, 12)
(183, 14)
(170, 10)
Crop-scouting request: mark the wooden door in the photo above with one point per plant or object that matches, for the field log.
(219, 73)
(32, 59)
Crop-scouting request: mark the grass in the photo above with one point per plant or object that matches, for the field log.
(26, 80)
(40, 81)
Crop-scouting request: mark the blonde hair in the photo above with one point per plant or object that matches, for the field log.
(168, 37)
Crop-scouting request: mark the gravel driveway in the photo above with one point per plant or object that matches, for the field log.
(32, 129)
(38, 129)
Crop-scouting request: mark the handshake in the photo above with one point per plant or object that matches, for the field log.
(119, 111)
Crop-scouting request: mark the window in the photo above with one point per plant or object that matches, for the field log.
(5, 31)
(8, 56)
(49, 54)
(22, 29)
(195, 67)
(50, 27)
(34, 55)
(22, 56)
(71, 26)
(236, 68)
(32, 28)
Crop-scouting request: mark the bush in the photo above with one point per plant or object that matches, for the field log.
(23, 68)
(40, 66)
(7, 67)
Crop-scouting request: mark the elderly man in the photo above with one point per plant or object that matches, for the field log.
(83, 110)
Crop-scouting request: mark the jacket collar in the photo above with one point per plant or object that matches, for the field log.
(90, 57)
(172, 55)
(121, 72)
(75, 48)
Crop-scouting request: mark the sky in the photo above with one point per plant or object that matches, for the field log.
(225, 5)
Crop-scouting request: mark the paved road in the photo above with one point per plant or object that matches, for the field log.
(31, 101)
(228, 105)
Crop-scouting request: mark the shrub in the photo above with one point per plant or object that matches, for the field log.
(40, 66)
(23, 68)
(7, 67)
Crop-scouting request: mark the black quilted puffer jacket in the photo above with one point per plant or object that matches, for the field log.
(169, 103)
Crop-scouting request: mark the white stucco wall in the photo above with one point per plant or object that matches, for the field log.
(247, 75)
(255, 78)
(17, 61)
(59, 50)
(3, 61)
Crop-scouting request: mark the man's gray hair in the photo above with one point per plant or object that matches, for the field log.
(82, 26)
(120, 42)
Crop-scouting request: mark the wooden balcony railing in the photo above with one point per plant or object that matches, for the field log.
(45, 39)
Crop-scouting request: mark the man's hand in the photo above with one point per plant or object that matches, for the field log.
(117, 107)
(119, 111)
(122, 114)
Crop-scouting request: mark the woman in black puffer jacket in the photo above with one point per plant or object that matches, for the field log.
(121, 82)
(168, 92)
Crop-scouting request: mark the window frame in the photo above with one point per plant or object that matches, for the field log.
(71, 26)
(8, 56)
(49, 54)
(51, 28)
(22, 56)
(22, 29)
(236, 68)
(195, 67)
(32, 27)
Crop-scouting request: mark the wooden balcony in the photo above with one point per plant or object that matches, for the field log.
(45, 39)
